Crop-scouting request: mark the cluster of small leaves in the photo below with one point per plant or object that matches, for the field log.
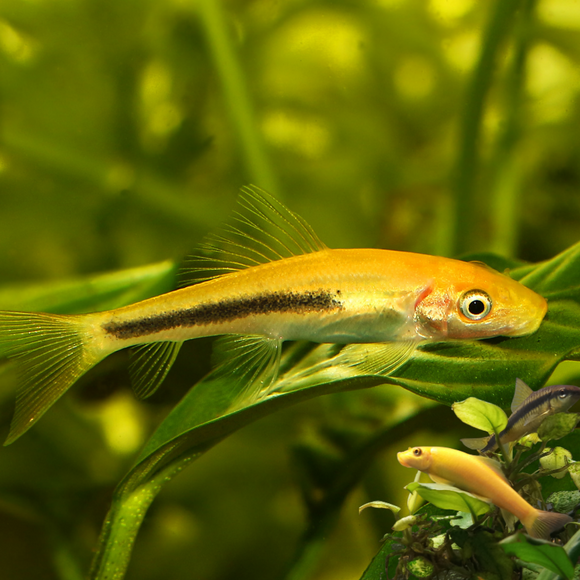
(476, 541)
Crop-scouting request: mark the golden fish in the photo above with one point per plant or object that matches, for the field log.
(269, 278)
(481, 476)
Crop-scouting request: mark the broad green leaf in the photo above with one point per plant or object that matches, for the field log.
(546, 554)
(564, 501)
(450, 498)
(557, 458)
(91, 293)
(557, 426)
(445, 371)
(387, 558)
(481, 415)
(572, 548)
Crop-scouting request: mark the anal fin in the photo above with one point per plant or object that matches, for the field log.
(150, 364)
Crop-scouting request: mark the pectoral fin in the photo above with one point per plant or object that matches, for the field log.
(250, 363)
(377, 358)
(442, 480)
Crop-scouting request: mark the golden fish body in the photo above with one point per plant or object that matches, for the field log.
(481, 476)
(269, 278)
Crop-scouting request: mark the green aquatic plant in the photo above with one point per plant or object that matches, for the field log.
(446, 372)
(80, 145)
(478, 539)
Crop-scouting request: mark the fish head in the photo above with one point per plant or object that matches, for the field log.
(416, 457)
(563, 397)
(475, 301)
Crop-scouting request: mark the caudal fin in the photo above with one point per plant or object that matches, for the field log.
(52, 354)
(541, 524)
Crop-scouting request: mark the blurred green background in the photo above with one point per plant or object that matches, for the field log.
(126, 130)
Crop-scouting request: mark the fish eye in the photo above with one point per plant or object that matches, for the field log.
(562, 394)
(417, 452)
(475, 304)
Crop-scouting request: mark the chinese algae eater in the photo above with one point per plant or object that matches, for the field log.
(483, 477)
(264, 279)
(529, 409)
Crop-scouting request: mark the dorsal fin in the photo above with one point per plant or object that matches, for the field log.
(521, 393)
(262, 230)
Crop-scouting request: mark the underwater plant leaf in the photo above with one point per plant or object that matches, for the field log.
(546, 554)
(376, 569)
(444, 371)
(380, 505)
(481, 415)
(91, 293)
(386, 558)
(557, 426)
(448, 497)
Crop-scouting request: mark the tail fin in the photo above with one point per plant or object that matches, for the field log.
(51, 352)
(541, 524)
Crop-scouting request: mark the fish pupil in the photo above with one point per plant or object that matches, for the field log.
(476, 307)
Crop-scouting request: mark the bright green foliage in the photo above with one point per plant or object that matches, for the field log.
(127, 129)
(557, 426)
(448, 497)
(556, 459)
(545, 554)
(564, 501)
(481, 415)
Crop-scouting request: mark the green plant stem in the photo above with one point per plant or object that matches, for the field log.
(236, 94)
(324, 514)
(123, 521)
(65, 562)
(151, 190)
(465, 200)
(507, 166)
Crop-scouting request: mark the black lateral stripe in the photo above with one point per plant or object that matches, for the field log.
(535, 403)
(226, 311)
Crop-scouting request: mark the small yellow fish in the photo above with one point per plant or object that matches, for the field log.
(481, 476)
(269, 278)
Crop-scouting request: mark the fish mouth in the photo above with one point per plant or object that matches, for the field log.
(402, 459)
(539, 308)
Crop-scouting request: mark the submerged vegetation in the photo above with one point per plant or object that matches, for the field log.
(459, 534)
(444, 127)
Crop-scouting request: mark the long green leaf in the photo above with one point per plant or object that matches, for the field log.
(546, 554)
(444, 371)
(91, 293)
